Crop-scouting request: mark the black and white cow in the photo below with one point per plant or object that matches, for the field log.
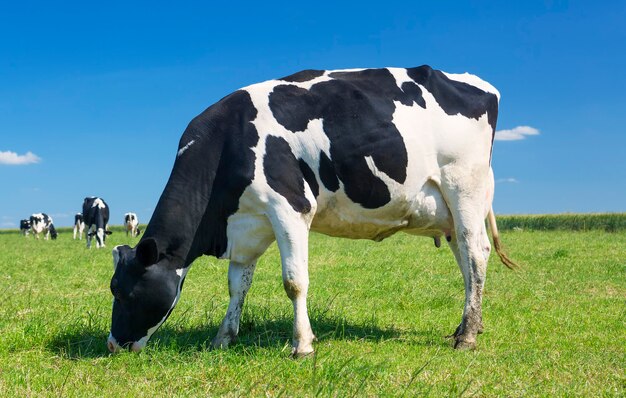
(96, 218)
(24, 227)
(131, 224)
(42, 223)
(360, 153)
(79, 226)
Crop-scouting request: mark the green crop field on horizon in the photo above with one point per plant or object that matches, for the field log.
(380, 311)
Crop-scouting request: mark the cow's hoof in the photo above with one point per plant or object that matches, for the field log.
(464, 345)
(456, 333)
(220, 343)
(297, 354)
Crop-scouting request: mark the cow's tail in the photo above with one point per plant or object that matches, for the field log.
(497, 243)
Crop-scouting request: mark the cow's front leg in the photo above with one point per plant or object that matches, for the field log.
(292, 239)
(239, 281)
(90, 233)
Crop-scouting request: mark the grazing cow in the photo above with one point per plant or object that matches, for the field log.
(131, 223)
(79, 226)
(96, 218)
(360, 153)
(42, 223)
(24, 227)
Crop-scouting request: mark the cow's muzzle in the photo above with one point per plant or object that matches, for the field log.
(114, 347)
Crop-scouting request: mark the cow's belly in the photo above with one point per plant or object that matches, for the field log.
(421, 213)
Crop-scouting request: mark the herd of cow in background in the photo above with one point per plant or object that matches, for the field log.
(95, 217)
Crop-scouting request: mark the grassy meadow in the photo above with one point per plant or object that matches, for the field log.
(380, 311)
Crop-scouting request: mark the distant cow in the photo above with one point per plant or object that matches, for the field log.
(96, 218)
(79, 226)
(42, 223)
(359, 153)
(24, 227)
(131, 222)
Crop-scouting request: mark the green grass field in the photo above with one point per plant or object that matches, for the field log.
(380, 312)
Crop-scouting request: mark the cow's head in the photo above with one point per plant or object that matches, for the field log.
(100, 235)
(53, 232)
(145, 287)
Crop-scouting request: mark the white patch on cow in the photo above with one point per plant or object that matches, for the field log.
(473, 80)
(98, 203)
(401, 76)
(141, 343)
(112, 344)
(100, 238)
(344, 70)
(183, 149)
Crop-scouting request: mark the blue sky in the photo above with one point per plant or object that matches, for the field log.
(100, 92)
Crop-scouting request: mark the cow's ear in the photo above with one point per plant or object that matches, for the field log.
(147, 252)
(117, 254)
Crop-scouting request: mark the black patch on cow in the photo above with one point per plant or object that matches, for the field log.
(207, 180)
(309, 177)
(283, 174)
(456, 97)
(327, 173)
(357, 111)
(303, 76)
(414, 93)
(293, 107)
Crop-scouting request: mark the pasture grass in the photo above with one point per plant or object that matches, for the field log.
(609, 222)
(380, 312)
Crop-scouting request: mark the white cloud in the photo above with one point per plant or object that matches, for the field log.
(517, 133)
(510, 180)
(12, 158)
(8, 224)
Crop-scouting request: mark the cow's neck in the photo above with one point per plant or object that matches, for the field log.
(181, 208)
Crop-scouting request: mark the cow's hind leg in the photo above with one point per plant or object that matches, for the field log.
(239, 281)
(471, 247)
(292, 234)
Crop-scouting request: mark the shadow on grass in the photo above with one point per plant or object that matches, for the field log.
(261, 333)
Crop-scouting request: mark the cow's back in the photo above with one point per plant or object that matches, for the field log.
(364, 149)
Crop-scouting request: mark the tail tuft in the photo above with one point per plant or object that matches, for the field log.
(506, 260)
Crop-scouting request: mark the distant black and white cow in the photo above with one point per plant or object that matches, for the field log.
(24, 227)
(42, 223)
(79, 226)
(131, 224)
(360, 153)
(96, 218)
